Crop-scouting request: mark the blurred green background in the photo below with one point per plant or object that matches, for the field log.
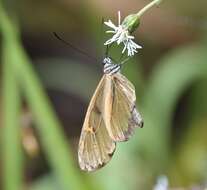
(46, 87)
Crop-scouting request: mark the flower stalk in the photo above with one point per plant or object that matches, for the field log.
(147, 7)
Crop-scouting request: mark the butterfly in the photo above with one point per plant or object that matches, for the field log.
(111, 117)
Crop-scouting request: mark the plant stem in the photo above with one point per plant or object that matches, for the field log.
(147, 7)
(11, 144)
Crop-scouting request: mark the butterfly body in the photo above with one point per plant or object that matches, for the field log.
(111, 117)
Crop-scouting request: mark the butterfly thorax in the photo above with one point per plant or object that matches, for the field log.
(110, 67)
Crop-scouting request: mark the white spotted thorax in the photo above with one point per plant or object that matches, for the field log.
(110, 67)
(122, 35)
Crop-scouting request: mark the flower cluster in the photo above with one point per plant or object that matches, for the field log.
(121, 34)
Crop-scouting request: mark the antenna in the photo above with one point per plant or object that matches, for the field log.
(73, 47)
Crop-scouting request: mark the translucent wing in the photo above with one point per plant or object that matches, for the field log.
(95, 145)
(122, 116)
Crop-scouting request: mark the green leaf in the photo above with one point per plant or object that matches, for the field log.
(11, 132)
(55, 145)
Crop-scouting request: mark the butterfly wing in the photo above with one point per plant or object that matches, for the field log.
(122, 116)
(95, 146)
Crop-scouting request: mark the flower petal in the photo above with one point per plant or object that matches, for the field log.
(110, 24)
(110, 31)
(119, 18)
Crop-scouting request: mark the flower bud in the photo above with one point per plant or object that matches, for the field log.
(131, 22)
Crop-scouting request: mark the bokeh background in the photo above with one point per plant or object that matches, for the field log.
(46, 87)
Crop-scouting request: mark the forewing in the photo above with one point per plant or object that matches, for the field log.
(95, 145)
(123, 117)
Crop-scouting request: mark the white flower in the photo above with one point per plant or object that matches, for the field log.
(122, 35)
(162, 183)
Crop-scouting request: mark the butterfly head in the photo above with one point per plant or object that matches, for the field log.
(110, 67)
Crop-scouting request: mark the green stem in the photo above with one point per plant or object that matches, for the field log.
(147, 7)
(55, 145)
(11, 145)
